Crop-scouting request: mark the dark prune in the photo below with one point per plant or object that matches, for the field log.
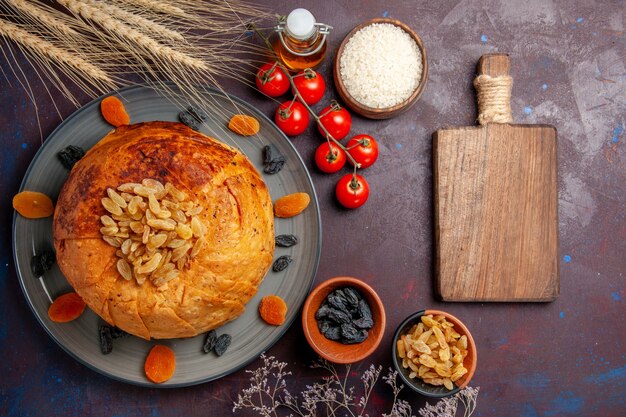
(281, 263)
(272, 159)
(339, 316)
(221, 344)
(352, 297)
(333, 333)
(41, 263)
(323, 326)
(198, 114)
(189, 120)
(117, 333)
(70, 155)
(286, 241)
(106, 340)
(209, 341)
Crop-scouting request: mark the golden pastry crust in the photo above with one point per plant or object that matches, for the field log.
(237, 217)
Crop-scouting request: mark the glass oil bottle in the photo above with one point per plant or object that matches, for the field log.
(300, 41)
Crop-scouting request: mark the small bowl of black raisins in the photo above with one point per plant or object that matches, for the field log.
(343, 320)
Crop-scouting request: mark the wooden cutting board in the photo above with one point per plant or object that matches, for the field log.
(495, 191)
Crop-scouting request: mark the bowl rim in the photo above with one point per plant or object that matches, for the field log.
(363, 287)
(473, 352)
(397, 108)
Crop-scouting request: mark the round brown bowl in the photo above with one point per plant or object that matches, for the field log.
(417, 384)
(386, 112)
(334, 351)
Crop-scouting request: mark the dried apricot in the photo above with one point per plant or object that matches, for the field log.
(33, 205)
(160, 364)
(113, 111)
(66, 307)
(291, 204)
(273, 310)
(244, 125)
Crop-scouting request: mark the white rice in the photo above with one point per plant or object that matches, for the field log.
(381, 65)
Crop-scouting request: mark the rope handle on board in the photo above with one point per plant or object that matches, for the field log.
(493, 89)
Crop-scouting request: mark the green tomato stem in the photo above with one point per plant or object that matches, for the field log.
(334, 103)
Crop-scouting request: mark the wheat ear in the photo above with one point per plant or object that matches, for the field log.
(136, 20)
(41, 15)
(45, 48)
(155, 6)
(120, 29)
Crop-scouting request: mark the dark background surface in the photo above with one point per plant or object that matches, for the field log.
(564, 358)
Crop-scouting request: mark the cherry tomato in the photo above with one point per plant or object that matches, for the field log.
(328, 161)
(336, 120)
(292, 117)
(352, 191)
(364, 149)
(271, 80)
(310, 85)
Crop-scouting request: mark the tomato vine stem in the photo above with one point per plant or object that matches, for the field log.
(317, 119)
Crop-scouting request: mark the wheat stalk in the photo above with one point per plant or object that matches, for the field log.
(47, 49)
(45, 17)
(136, 20)
(155, 6)
(119, 29)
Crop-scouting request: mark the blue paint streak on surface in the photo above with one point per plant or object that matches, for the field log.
(544, 87)
(611, 377)
(529, 411)
(398, 146)
(484, 38)
(567, 259)
(385, 13)
(528, 110)
(155, 413)
(566, 403)
(24, 145)
(615, 295)
(580, 20)
(617, 132)
(561, 314)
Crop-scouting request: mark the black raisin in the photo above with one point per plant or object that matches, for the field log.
(348, 333)
(221, 344)
(323, 326)
(70, 155)
(272, 159)
(333, 333)
(338, 301)
(199, 114)
(286, 241)
(352, 297)
(339, 316)
(364, 322)
(364, 310)
(322, 311)
(209, 341)
(42, 262)
(281, 263)
(189, 120)
(106, 341)
(117, 333)
(361, 336)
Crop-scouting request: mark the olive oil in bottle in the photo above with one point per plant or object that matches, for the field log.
(300, 42)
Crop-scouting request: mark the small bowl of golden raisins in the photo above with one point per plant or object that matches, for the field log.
(434, 353)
